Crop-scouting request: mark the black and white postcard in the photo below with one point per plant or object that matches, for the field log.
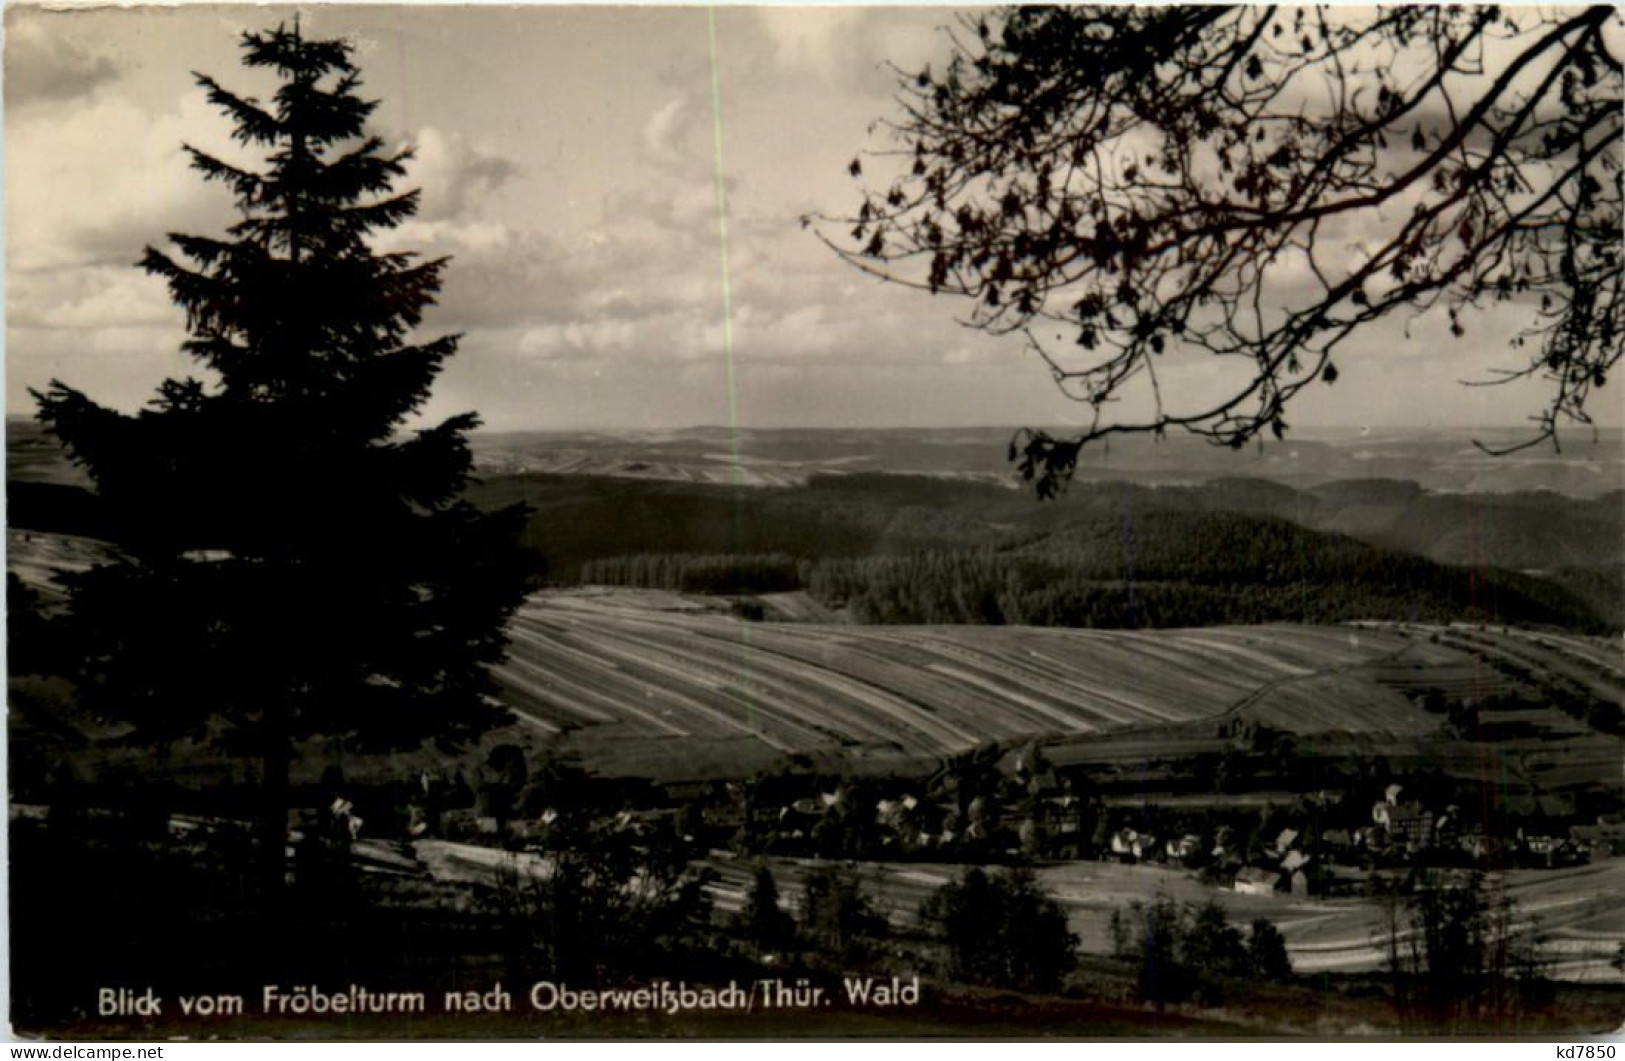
(787, 522)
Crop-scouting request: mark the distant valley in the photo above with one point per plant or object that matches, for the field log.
(1175, 513)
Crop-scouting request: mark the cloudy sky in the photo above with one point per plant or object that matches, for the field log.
(569, 160)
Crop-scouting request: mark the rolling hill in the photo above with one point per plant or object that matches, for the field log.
(861, 492)
(657, 684)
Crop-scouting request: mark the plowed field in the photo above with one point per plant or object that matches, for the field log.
(652, 682)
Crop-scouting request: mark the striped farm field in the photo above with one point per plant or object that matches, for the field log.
(661, 678)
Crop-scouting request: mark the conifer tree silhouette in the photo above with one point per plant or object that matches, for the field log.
(293, 561)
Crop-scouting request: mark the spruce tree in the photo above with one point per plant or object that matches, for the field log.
(293, 562)
(765, 926)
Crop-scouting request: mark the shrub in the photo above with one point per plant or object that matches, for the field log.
(608, 907)
(839, 921)
(762, 923)
(1183, 952)
(1003, 931)
(1456, 960)
(1266, 952)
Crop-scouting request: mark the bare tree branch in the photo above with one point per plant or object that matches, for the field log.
(1121, 184)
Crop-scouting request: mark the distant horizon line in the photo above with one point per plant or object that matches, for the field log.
(1299, 432)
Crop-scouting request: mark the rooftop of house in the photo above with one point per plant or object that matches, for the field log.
(1257, 875)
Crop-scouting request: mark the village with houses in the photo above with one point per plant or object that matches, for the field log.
(1359, 835)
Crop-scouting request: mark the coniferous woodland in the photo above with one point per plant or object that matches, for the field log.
(1166, 569)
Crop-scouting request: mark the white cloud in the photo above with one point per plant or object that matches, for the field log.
(578, 338)
(89, 298)
(97, 183)
(815, 39)
(44, 68)
(668, 130)
(457, 175)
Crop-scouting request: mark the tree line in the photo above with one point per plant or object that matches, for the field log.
(1163, 569)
